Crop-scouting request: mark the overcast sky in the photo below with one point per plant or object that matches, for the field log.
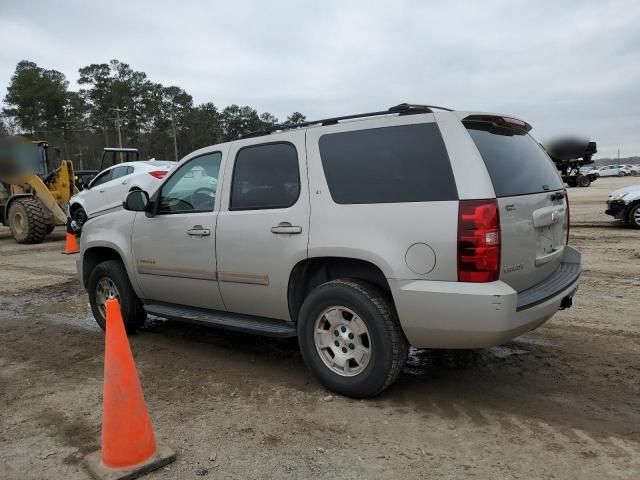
(565, 67)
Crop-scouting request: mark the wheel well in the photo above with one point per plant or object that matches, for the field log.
(631, 206)
(74, 207)
(310, 273)
(93, 257)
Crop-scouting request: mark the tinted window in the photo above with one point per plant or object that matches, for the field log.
(407, 163)
(265, 176)
(102, 178)
(516, 163)
(193, 187)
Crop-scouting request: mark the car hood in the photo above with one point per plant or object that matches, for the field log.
(629, 189)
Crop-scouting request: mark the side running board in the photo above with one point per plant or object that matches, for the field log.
(229, 321)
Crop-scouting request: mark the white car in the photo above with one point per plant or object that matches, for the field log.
(612, 171)
(109, 188)
(633, 170)
(624, 204)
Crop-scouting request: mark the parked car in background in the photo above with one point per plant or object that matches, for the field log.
(612, 171)
(359, 235)
(633, 170)
(624, 204)
(109, 188)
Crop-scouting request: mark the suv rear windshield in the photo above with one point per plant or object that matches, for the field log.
(517, 164)
(407, 163)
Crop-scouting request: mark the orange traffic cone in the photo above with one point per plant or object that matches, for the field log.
(129, 447)
(71, 243)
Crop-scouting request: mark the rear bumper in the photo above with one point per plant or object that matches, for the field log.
(468, 315)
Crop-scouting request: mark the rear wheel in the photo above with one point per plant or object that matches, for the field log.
(633, 218)
(584, 181)
(109, 280)
(350, 338)
(27, 220)
(621, 174)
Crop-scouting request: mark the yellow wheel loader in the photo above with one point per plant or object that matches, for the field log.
(33, 195)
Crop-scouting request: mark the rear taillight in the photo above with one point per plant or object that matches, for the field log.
(478, 241)
(158, 173)
(567, 218)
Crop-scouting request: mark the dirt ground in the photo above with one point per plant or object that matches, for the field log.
(560, 402)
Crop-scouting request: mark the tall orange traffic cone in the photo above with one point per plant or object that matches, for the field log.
(71, 242)
(129, 447)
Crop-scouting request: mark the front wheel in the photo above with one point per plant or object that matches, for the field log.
(351, 339)
(27, 220)
(109, 280)
(79, 215)
(633, 219)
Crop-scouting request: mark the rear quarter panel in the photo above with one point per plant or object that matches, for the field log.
(379, 233)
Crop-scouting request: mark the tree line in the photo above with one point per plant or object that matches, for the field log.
(78, 125)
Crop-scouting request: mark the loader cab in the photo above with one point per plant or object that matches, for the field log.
(20, 156)
(43, 166)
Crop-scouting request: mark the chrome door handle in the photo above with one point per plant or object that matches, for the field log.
(198, 231)
(124, 182)
(286, 228)
(101, 191)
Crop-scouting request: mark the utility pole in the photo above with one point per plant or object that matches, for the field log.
(173, 128)
(118, 110)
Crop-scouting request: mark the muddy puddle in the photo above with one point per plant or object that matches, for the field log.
(76, 305)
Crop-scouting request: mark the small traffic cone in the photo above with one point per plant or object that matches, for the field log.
(71, 243)
(129, 447)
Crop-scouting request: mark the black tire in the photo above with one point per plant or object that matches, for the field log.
(388, 344)
(27, 220)
(621, 174)
(633, 173)
(633, 217)
(79, 215)
(133, 314)
(584, 181)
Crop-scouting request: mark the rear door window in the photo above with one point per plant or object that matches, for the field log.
(406, 163)
(516, 163)
(265, 176)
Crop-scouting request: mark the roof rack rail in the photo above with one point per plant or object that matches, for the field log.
(400, 109)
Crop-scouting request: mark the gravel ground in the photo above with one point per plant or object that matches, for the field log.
(560, 402)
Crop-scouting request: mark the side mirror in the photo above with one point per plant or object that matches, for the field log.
(136, 201)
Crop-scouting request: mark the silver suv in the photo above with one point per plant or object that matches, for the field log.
(359, 235)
